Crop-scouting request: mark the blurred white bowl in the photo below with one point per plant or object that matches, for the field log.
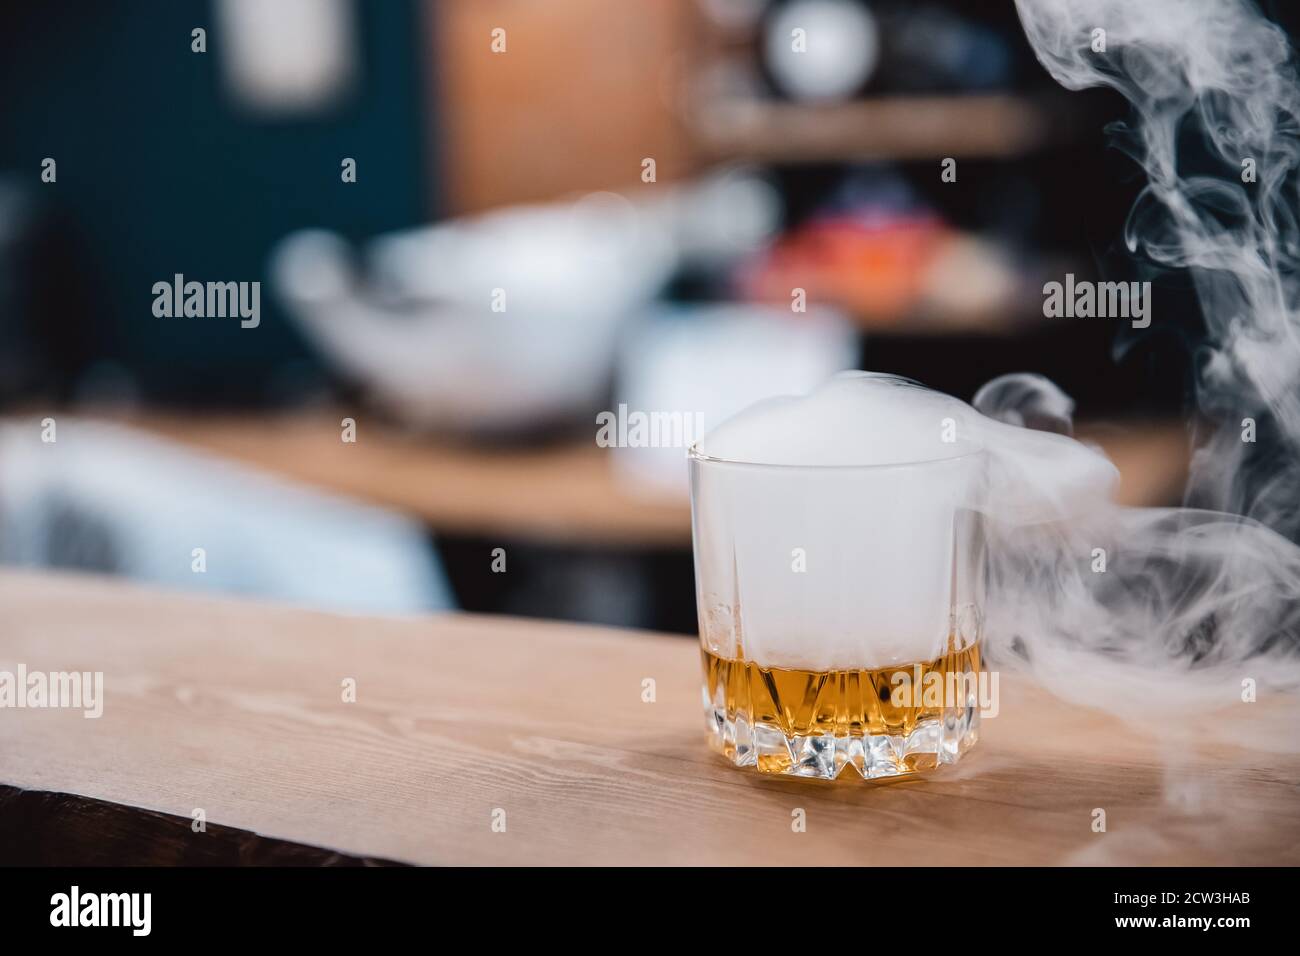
(418, 329)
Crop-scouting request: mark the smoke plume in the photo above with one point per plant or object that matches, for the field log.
(1197, 604)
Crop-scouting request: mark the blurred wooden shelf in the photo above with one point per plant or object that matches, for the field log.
(236, 708)
(974, 126)
(568, 493)
(565, 494)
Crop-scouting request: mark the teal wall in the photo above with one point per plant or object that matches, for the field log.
(160, 172)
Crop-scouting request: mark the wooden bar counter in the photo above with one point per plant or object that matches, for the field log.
(237, 709)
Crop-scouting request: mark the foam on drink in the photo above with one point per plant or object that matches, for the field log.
(851, 548)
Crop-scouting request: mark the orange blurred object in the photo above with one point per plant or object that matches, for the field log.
(877, 270)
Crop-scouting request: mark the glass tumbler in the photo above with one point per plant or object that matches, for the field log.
(840, 611)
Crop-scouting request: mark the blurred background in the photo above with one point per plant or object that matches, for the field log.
(477, 225)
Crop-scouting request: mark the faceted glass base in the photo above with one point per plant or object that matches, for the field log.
(818, 724)
(932, 742)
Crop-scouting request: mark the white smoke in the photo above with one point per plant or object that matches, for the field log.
(877, 480)
(1218, 74)
(1192, 602)
(1157, 615)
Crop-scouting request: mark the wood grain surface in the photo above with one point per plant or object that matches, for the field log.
(236, 708)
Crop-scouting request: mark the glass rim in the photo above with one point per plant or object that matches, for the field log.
(693, 453)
